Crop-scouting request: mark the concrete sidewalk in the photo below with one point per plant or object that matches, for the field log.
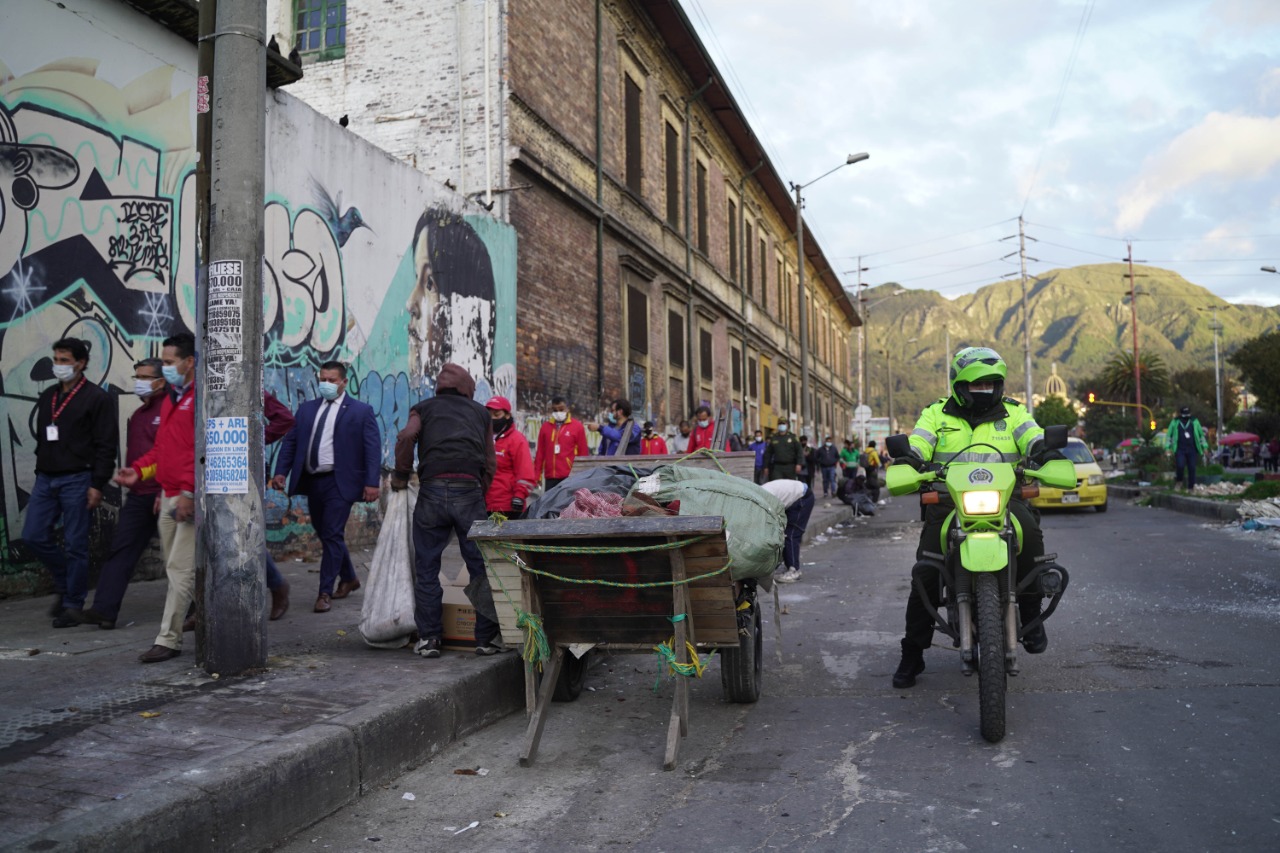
(101, 753)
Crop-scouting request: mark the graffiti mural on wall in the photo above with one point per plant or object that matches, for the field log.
(94, 205)
(97, 240)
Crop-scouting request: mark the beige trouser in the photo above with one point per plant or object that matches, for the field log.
(178, 540)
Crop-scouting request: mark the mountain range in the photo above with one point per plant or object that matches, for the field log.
(1080, 318)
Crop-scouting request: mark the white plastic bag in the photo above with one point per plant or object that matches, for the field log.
(386, 620)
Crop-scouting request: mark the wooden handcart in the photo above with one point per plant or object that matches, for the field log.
(624, 585)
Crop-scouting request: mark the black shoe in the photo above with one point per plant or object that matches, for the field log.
(911, 665)
(1036, 640)
(56, 608)
(93, 617)
(68, 618)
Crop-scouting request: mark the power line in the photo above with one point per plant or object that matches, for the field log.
(866, 255)
(1062, 91)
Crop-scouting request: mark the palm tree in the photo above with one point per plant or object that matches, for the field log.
(1118, 376)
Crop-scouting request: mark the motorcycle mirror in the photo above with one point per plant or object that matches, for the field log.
(899, 446)
(1055, 437)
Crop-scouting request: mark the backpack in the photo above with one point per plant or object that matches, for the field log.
(864, 460)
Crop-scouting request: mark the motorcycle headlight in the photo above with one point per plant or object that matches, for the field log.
(981, 503)
(1096, 479)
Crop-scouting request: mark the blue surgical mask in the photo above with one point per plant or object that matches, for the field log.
(64, 372)
(171, 374)
(142, 387)
(704, 423)
(782, 427)
(613, 419)
(328, 390)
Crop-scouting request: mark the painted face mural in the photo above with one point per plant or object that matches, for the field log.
(451, 308)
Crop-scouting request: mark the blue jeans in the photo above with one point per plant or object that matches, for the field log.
(828, 480)
(797, 520)
(1186, 459)
(446, 507)
(135, 527)
(64, 497)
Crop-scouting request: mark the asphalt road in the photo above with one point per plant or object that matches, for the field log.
(1152, 723)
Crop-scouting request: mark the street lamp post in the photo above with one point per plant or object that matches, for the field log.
(1217, 372)
(804, 314)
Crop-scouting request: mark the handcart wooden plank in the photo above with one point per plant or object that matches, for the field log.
(611, 583)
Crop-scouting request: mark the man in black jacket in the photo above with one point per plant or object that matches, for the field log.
(77, 438)
(827, 458)
(453, 436)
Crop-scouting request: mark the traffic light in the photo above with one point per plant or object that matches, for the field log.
(1092, 396)
(1153, 425)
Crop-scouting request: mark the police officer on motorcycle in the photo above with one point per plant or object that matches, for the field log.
(976, 412)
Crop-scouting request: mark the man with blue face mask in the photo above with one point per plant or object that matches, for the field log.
(333, 456)
(77, 436)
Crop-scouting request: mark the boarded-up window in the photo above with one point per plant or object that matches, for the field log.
(633, 134)
(675, 339)
(752, 386)
(768, 387)
(703, 238)
(747, 243)
(704, 353)
(736, 355)
(733, 240)
(764, 271)
(673, 176)
(637, 320)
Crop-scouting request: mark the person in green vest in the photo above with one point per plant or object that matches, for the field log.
(1188, 443)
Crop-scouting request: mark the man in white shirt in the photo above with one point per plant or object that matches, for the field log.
(797, 498)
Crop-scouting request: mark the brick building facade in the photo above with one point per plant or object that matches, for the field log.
(657, 256)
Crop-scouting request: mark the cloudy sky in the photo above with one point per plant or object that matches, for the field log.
(1167, 131)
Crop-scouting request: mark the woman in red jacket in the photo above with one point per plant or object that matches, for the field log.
(514, 478)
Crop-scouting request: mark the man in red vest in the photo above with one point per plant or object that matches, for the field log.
(704, 429)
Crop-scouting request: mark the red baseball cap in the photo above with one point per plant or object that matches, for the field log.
(498, 403)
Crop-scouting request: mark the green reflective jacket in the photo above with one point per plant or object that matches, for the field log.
(1202, 441)
(940, 437)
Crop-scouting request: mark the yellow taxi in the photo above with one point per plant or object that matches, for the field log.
(1091, 484)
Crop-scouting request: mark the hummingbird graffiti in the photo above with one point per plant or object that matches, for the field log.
(341, 223)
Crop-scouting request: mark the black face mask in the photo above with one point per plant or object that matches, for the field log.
(982, 400)
(501, 425)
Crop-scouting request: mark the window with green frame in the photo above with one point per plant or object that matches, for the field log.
(321, 28)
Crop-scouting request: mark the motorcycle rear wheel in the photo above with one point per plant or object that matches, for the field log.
(992, 681)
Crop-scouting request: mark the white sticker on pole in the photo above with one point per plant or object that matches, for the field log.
(224, 323)
(226, 450)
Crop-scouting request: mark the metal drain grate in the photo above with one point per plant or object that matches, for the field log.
(58, 722)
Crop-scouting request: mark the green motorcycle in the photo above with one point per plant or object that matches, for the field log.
(977, 559)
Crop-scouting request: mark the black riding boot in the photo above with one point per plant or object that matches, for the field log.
(911, 665)
(1036, 640)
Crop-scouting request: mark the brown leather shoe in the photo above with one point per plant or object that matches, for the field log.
(345, 588)
(188, 625)
(279, 602)
(322, 603)
(157, 653)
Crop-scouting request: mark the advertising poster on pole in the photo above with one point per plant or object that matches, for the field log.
(225, 323)
(226, 456)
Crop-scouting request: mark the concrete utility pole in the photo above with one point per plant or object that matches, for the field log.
(1217, 372)
(1133, 308)
(229, 435)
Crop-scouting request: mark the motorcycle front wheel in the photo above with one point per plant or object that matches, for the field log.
(991, 671)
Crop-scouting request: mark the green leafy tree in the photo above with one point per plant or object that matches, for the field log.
(1256, 360)
(1119, 383)
(1104, 426)
(1055, 410)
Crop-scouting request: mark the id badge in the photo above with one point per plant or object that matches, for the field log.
(1186, 435)
(51, 432)
(557, 450)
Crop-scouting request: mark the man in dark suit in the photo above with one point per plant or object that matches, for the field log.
(332, 455)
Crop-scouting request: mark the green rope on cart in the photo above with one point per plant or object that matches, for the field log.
(593, 582)
(668, 665)
(536, 648)
(703, 451)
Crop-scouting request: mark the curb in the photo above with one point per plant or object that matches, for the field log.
(251, 800)
(1181, 503)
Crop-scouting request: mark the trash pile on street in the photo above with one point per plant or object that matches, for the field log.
(1218, 489)
(1265, 512)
